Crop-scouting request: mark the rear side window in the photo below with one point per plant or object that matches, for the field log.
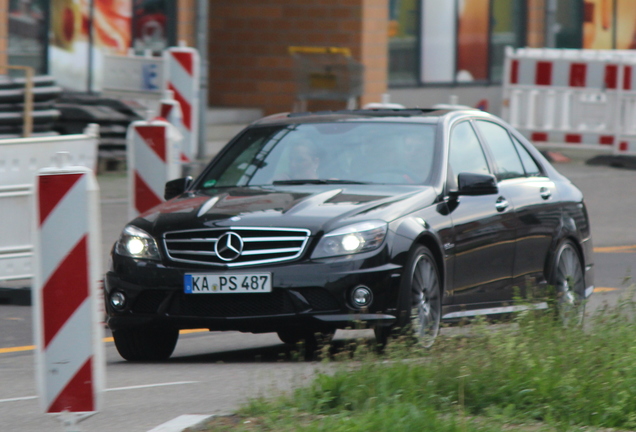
(466, 154)
(503, 150)
(529, 164)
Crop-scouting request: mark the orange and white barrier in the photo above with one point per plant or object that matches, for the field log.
(585, 98)
(182, 78)
(69, 357)
(153, 151)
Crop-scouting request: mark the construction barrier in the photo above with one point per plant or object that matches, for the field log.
(20, 160)
(182, 78)
(170, 110)
(69, 358)
(585, 98)
(145, 79)
(153, 151)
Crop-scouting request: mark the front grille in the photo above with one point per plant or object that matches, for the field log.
(260, 245)
(231, 305)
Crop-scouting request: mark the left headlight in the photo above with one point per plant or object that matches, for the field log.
(360, 237)
(137, 243)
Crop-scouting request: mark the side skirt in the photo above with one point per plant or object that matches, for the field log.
(494, 310)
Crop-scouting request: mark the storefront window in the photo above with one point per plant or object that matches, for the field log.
(569, 16)
(508, 29)
(625, 24)
(27, 34)
(598, 16)
(403, 42)
(472, 40)
(76, 53)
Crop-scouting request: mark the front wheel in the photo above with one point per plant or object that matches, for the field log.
(146, 344)
(569, 282)
(420, 303)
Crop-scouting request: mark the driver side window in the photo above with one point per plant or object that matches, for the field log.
(466, 154)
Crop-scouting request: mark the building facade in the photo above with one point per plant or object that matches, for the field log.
(418, 51)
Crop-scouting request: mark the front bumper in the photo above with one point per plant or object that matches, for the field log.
(312, 295)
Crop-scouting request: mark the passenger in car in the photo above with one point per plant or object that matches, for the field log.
(304, 161)
(417, 153)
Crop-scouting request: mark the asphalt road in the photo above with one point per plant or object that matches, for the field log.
(213, 373)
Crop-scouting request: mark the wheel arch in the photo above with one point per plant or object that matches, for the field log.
(551, 258)
(427, 240)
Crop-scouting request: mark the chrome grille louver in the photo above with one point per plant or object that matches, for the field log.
(261, 245)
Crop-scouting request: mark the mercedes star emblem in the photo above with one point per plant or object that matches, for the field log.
(229, 246)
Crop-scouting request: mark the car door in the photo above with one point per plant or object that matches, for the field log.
(533, 196)
(484, 227)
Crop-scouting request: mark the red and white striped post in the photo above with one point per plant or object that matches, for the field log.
(153, 159)
(182, 78)
(68, 331)
(170, 109)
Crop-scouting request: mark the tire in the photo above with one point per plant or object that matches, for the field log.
(420, 303)
(568, 280)
(146, 344)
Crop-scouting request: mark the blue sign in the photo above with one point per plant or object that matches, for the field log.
(150, 77)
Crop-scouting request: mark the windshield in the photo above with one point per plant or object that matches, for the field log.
(338, 153)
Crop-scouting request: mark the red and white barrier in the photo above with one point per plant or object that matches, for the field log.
(68, 334)
(182, 72)
(153, 159)
(21, 159)
(170, 109)
(585, 98)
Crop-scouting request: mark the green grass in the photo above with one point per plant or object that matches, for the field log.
(531, 374)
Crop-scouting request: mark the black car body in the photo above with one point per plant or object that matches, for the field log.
(367, 232)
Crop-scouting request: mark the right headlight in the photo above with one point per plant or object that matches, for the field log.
(137, 243)
(351, 239)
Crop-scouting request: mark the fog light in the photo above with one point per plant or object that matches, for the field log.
(118, 300)
(361, 296)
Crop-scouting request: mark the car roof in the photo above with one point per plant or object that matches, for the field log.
(416, 115)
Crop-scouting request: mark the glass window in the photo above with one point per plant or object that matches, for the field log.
(351, 152)
(503, 150)
(529, 164)
(27, 34)
(472, 40)
(598, 31)
(466, 154)
(403, 41)
(625, 24)
(508, 29)
(569, 15)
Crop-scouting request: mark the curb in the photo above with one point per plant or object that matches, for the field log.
(181, 423)
(614, 161)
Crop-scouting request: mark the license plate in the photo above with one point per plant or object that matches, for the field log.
(228, 283)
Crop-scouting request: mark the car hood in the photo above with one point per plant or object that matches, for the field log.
(315, 207)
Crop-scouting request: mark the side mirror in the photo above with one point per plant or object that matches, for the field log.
(476, 184)
(176, 187)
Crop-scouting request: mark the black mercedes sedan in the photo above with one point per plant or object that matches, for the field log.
(388, 218)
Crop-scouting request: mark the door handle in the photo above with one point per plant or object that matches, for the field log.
(501, 204)
(545, 193)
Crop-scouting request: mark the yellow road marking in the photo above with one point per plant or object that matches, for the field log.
(604, 289)
(616, 249)
(106, 339)
(17, 349)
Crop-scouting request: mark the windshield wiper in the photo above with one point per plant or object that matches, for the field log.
(316, 181)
